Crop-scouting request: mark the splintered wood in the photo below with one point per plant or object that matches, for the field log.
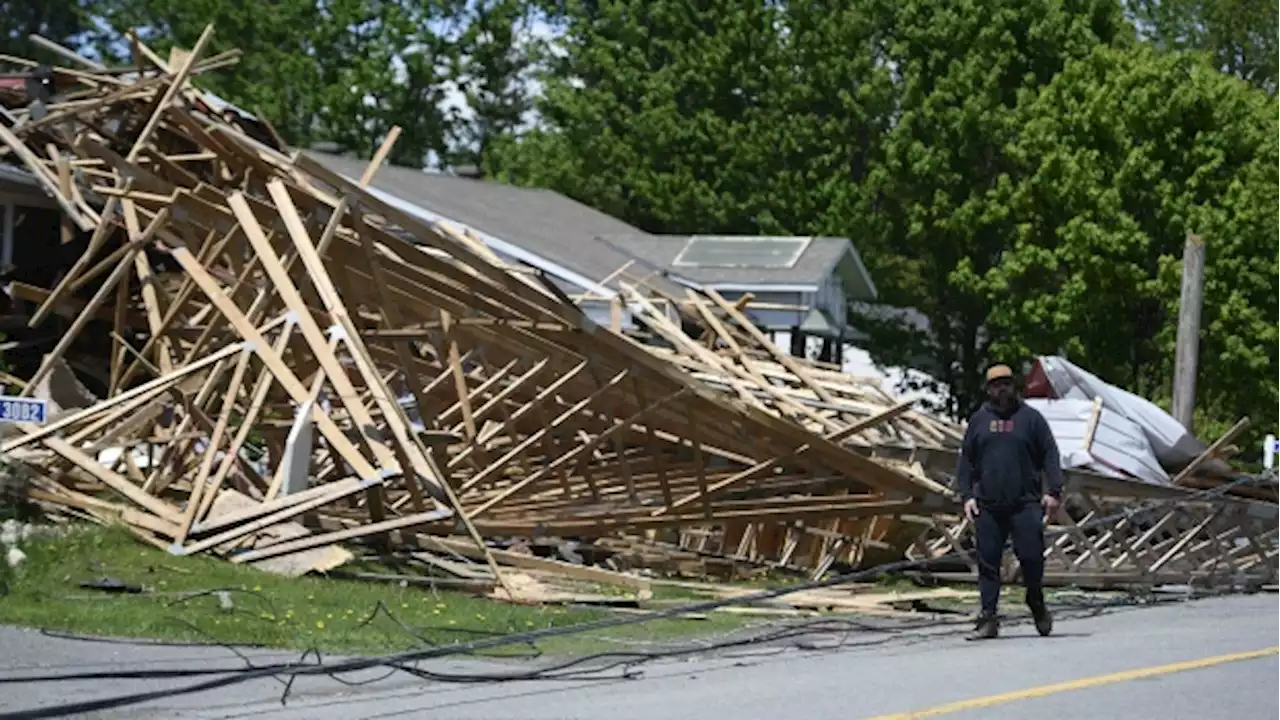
(291, 364)
(330, 359)
(731, 355)
(1104, 538)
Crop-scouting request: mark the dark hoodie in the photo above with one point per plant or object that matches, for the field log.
(1003, 454)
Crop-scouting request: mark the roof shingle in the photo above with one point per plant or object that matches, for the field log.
(581, 239)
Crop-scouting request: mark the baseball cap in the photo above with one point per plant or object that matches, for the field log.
(998, 372)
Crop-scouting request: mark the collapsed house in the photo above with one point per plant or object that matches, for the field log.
(290, 365)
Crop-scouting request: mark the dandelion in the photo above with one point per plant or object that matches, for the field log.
(257, 588)
(330, 616)
(436, 611)
(453, 622)
(320, 624)
(479, 616)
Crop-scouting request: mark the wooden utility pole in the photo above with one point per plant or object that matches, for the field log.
(1187, 351)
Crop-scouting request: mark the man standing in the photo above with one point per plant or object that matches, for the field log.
(1006, 446)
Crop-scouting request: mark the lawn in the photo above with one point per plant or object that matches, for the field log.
(181, 601)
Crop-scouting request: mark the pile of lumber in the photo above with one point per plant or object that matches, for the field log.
(1111, 531)
(293, 366)
(735, 358)
(288, 350)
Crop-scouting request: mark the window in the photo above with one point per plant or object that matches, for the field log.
(744, 252)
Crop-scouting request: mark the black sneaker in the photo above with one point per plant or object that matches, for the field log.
(987, 628)
(1044, 621)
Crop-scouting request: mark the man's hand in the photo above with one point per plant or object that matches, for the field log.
(971, 509)
(1051, 506)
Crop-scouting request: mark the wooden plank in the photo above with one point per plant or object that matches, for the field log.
(1210, 452)
(108, 286)
(333, 492)
(202, 493)
(35, 433)
(121, 485)
(287, 379)
(392, 414)
(759, 467)
(532, 562)
(312, 541)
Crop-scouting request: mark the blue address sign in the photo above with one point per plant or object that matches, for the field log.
(22, 410)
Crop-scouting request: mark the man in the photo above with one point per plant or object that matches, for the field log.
(1006, 445)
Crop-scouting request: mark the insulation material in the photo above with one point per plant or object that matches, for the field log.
(1118, 446)
(1172, 445)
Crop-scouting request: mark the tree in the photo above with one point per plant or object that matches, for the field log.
(716, 118)
(496, 57)
(650, 112)
(1121, 155)
(1239, 35)
(343, 71)
(58, 20)
(939, 219)
(885, 122)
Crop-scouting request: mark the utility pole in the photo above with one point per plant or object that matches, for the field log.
(1187, 352)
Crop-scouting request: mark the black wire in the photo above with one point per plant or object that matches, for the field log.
(630, 659)
(788, 631)
(399, 659)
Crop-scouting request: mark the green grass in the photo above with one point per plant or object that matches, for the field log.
(328, 614)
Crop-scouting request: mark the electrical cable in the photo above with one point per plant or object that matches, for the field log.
(787, 631)
(629, 660)
(400, 660)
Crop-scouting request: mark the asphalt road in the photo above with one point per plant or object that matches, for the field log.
(1185, 655)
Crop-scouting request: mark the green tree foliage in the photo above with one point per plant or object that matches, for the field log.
(343, 71)
(58, 20)
(649, 110)
(712, 117)
(493, 67)
(725, 117)
(1019, 172)
(1120, 156)
(938, 217)
(1239, 35)
(884, 122)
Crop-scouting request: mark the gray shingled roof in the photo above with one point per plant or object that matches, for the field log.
(543, 222)
(586, 241)
(821, 257)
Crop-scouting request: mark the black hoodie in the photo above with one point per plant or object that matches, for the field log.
(1003, 454)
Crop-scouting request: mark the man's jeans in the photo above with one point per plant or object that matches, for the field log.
(1025, 524)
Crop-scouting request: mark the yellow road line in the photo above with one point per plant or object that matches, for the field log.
(1079, 684)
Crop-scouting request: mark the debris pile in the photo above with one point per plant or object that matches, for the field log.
(286, 346)
(293, 366)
